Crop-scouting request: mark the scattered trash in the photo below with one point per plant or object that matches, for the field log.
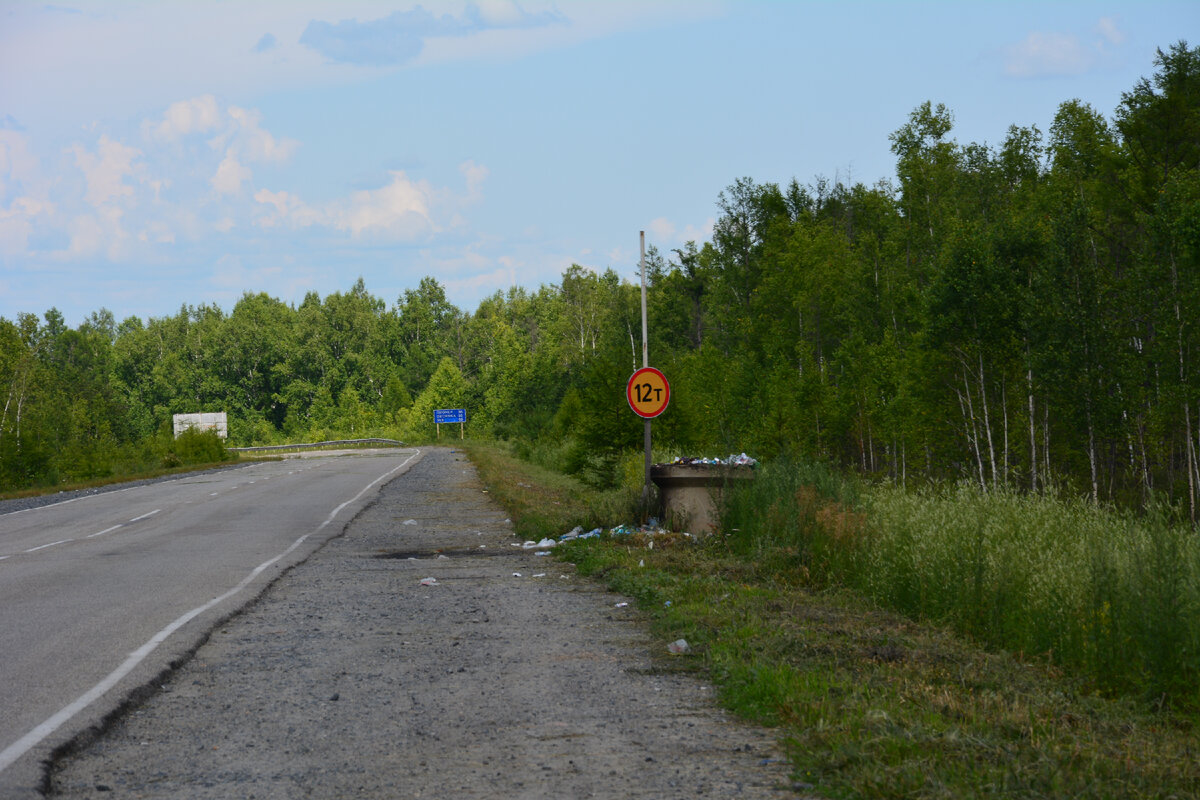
(642, 563)
(679, 647)
(739, 460)
(542, 553)
(542, 545)
(516, 574)
(410, 522)
(667, 604)
(577, 533)
(621, 605)
(540, 575)
(429, 582)
(443, 555)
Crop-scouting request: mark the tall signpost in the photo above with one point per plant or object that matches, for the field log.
(647, 391)
(645, 363)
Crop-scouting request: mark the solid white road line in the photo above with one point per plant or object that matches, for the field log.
(44, 546)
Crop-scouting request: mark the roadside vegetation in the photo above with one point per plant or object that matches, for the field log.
(787, 613)
(163, 454)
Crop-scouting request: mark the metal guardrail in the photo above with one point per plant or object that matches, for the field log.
(314, 445)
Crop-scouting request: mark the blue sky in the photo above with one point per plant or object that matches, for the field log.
(157, 154)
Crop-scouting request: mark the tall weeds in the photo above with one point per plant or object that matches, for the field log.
(1111, 597)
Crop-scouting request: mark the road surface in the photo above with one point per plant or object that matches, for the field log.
(100, 595)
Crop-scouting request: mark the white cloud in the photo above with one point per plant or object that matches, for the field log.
(157, 232)
(700, 235)
(288, 210)
(18, 165)
(1107, 28)
(402, 208)
(1047, 54)
(96, 234)
(253, 142)
(106, 171)
(665, 234)
(662, 229)
(475, 174)
(198, 115)
(229, 176)
(16, 223)
(1043, 54)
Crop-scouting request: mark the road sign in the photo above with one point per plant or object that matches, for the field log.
(648, 392)
(441, 415)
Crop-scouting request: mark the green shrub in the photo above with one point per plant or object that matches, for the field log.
(195, 447)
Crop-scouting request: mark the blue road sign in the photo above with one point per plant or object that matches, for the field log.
(449, 415)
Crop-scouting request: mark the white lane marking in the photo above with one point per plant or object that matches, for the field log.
(106, 530)
(44, 546)
(146, 515)
(10, 754)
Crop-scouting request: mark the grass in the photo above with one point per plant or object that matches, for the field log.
(108, 480)
(868, 702)
(544, 503)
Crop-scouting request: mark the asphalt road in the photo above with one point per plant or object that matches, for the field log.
(101, 594)
(425, 652)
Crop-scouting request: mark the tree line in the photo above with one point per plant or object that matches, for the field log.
(1019, 315)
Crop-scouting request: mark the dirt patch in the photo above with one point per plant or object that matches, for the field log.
(506, 675)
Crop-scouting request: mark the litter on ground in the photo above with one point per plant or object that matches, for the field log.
(679, 647)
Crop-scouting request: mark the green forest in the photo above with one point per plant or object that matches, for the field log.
(1022, 314)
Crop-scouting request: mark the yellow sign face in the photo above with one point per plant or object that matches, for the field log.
(648, 392)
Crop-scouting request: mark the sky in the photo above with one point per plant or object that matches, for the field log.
(158, 154)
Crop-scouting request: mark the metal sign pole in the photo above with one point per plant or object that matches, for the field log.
(645, 363)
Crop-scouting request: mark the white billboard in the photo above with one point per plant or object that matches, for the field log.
(208, 421)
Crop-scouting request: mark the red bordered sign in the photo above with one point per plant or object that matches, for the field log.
(648, 392)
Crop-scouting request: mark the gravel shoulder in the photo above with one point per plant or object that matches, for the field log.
(508, 676)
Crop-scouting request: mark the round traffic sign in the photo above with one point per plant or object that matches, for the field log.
(648, 392)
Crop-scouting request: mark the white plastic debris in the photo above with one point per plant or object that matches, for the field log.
(540, 575)
(621, 605)
(642, 562)
(679, 647)
(542, 553)
(542, 545)
(443, 555)
(410, 522)
(516, 574)
(429, 582)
